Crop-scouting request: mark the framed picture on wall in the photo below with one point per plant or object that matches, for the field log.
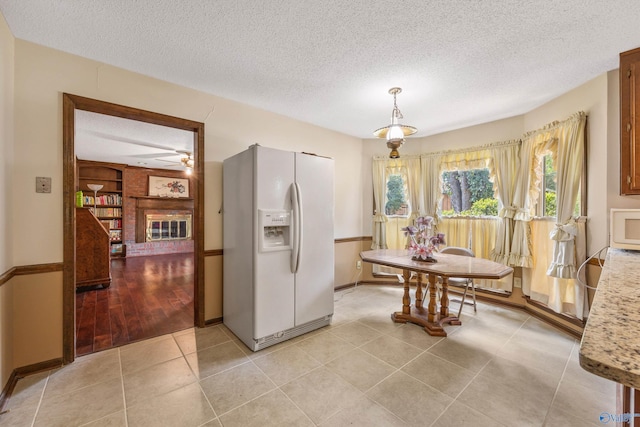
(163, 186)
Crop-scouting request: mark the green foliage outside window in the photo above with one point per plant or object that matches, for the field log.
(470, 192)
(396, 197)
(549, 187)
(488, 207)
(482, 207)
(550, 203)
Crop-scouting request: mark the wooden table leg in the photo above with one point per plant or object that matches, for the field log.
(419, 296)
(444, 306)
(430, 319)
(406, 298)
(444, 299)
(432, 308)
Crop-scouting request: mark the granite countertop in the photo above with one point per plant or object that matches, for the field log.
(610, 345)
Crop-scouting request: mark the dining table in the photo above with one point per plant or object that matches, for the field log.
(445, 267)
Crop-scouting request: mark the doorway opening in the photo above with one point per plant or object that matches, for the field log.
(73, 104)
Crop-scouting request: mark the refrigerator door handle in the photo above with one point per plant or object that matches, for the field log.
(296, 202)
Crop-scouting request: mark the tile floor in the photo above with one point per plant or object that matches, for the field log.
(500, 368)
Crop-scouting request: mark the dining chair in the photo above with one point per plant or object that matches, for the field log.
(465, 282)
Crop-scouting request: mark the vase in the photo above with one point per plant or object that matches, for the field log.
(429, 259)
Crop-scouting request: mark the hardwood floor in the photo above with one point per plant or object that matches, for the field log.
(148, 296)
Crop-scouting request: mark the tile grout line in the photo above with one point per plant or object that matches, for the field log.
(555, 393)
(124, 397)
(35, 415)
(493, 356)
(276, 386)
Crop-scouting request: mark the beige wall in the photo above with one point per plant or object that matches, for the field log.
(6, 168)
(346, 255)
(41, 76)
(37, 318)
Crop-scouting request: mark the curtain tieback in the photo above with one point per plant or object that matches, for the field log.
(516, 213)
(380, 218)
(522, 215)
(564, 232)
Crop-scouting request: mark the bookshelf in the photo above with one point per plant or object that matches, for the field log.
(107, 201)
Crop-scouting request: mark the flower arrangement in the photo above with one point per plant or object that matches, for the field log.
(423, 243)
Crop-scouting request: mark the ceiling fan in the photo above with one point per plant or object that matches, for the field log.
(185, 161)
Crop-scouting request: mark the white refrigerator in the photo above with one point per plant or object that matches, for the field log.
(278, 244)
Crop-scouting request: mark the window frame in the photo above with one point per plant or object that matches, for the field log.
(539, 210)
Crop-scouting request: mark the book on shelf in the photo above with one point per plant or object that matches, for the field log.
(103, 199)
(115, 224)
(115, 235)
(108, 212)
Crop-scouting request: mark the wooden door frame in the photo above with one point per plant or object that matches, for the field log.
(71, 103)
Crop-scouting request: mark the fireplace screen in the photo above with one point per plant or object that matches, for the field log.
(168, 227)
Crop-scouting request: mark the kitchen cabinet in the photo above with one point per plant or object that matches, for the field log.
(630, 122)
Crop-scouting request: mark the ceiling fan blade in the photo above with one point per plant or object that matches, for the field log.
(169, 161)
(128, 140)
(152, 155)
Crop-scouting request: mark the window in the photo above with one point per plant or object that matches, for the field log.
(397, 199)
(546, 206)
(468, 192)
(548, 192)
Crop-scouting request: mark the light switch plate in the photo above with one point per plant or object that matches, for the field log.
(43, 184)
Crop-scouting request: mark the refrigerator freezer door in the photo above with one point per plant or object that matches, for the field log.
(315, 276)
(238, 260)
(274, 291)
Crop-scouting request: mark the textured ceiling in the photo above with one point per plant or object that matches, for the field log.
(331, 63)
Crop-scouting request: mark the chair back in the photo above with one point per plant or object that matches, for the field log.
(457, 251)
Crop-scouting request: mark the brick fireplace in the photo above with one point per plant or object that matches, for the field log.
(167, 227)
(138, 206)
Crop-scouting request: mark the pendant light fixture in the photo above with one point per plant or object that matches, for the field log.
(395, 132)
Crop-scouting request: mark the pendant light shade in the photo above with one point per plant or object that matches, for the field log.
(395, 132)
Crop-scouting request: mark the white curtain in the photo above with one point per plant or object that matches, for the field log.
(411, 167)
(408, 168)
(431, 186)
(560, 295)
(379, 240)
(569, 161)
(524, 196)
(477, 234)
(515, 168)
(506, 162)
(388, 230)
(559, 245)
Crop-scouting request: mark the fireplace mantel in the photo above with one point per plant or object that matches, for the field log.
(154, 203)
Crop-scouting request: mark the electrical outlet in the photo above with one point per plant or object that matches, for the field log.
(358, 264)
(43, 184)
(517, 282)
